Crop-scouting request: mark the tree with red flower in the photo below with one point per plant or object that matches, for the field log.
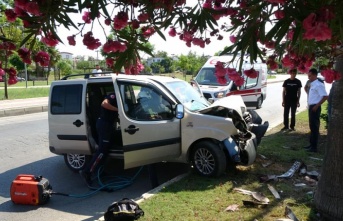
(300, 31)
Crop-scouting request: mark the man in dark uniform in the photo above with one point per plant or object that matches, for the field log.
(290, 99)
(104, 126)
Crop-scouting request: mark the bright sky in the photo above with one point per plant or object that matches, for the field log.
(172, 46)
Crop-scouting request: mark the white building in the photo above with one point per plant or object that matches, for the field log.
(66, 55)
(149, 61)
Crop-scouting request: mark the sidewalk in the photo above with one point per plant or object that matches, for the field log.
(34, 105)
(23, 106)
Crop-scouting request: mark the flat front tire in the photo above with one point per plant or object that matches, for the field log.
(208, 159)
(76, 162)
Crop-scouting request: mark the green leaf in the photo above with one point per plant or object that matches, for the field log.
(161, 34)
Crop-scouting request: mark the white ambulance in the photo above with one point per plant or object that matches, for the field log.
(253, 91)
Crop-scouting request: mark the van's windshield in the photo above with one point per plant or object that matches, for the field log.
(187, 95)
(206, 76)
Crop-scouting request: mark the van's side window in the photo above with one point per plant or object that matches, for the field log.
(145, 103)
(250, 82)
(66, 99)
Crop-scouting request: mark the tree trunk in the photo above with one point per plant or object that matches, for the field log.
(329, 195)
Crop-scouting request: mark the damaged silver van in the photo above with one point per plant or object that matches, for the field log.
(160, 119)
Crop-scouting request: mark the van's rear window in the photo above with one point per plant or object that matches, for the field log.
(66, 99)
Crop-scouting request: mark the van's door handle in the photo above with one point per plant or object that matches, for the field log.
(78, 123)
(131, 129)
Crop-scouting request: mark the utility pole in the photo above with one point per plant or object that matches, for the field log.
(97, 57)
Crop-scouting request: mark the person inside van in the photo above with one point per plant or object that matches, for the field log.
(104, 126)
(210, 77)
(153, 104)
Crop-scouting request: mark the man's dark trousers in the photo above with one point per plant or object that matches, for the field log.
(289, 106)
(314, 120)
(104, 129)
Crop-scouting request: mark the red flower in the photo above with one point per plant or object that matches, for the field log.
(172, 32)
(221, 80)
(143, 17)
(42, 58)
(135, 24)
(207, 4)
(233, 74)
(251, 73)
(25, 55)
(71, 40)
(2, 72)
(12, 80)
(87, 17)
(120, 21)
(277, 1)
(90, 41)
(330, 75)
(302, 68)
(32, 8)
(239, 82)
(49, 40)
(11, 71)
(109, 62)
(272, 63)
(198, 41)
(148, 31)
(7, 46)
(134, 68)
(20, 12)
(233, 38)
(187, 36)
(220, 71)
(10, 15)
(279, 14)
(290, 34)
(114, 46)
(315, 29)
(270, 44)
(107, 21)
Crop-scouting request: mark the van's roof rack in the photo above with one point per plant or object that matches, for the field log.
(86, 75)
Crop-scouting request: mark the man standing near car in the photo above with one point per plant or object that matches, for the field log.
(97, 71)
(290, 99)
(316, 97)
(105, 126)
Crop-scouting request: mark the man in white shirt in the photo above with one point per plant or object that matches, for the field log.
(96, 71)
(316, 97)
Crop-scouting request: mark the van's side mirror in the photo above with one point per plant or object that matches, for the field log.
(179, 111)
(211, 100)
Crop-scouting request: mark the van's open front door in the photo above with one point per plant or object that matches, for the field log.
(67, 118)
(150, 132)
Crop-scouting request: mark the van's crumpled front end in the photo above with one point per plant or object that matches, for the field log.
(242, 145)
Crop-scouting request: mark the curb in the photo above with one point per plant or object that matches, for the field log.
(22, 111)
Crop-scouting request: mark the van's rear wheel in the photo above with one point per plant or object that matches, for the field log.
(76, 162)
(259, 102)
(208, 159)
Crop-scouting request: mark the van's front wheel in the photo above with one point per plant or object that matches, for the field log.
(208, 159)
(76, 162)
(259, 102)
